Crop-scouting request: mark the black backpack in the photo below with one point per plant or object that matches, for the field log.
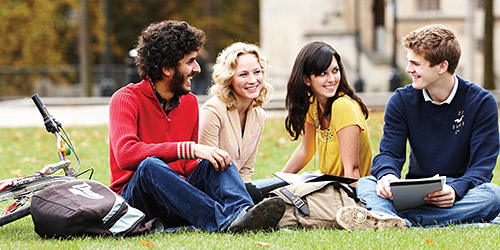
(86, 207)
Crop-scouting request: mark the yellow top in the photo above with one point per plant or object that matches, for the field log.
(345, 112)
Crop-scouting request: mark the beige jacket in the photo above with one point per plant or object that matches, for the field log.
(220, 127)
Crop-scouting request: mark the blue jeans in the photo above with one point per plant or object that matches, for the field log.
(207, 199)
(480, 204)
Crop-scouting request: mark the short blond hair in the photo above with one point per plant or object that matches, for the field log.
(225, 68)
(435, 43)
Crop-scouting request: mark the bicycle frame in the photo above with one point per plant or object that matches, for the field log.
(46, 170)
(18, 187)
(63, 162)
(49, 169)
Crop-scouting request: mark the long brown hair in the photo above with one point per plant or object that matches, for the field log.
(313, 59)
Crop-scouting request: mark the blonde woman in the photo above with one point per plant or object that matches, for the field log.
(233, 118)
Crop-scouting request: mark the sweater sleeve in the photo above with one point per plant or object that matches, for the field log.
(392, 154)
(128, 149)
(484, 148)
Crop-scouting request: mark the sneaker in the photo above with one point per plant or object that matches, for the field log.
(358, 218)
(263, 216)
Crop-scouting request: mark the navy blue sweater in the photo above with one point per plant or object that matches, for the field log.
(458, 140)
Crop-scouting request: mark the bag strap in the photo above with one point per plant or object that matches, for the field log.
(296, 201)
(351, 193)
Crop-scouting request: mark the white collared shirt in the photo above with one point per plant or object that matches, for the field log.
(427, 98)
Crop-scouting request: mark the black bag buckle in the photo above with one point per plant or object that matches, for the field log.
(296, 201)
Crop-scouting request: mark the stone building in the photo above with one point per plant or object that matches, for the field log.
(287, 25)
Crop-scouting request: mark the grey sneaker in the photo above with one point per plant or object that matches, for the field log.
(358, 218)
(263, 216)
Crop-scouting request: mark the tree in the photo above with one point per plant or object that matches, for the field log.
(489, 21)
(224, 21)
(42, 32)
(45, 32)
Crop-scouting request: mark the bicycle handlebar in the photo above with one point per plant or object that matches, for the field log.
(40, 106)
(51, 125)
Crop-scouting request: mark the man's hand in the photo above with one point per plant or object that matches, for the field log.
(219, 158)
(442, 198)
(383, 188)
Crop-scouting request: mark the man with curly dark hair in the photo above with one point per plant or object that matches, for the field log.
(155, 160)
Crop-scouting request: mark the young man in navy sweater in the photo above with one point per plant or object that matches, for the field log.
(452, 128)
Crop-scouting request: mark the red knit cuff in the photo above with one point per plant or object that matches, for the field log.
(185, 150)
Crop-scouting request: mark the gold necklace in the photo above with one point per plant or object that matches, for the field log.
(323, 135)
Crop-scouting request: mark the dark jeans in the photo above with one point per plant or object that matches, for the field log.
(207, 199)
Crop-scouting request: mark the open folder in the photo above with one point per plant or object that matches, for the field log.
(410, 193)
(311, 177)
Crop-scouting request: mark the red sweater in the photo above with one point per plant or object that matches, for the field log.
(139, 128)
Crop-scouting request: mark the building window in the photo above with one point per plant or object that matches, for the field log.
(480, 4)
(480, 44)
(428, 5)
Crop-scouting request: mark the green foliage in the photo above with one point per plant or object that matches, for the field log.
(224, 21)
(45, 32)
(34, 28)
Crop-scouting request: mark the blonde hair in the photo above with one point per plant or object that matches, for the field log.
(225, 68)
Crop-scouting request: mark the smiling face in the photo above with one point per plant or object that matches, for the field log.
(424, 75)
(184, 73)
(325, 84)
(248, 78)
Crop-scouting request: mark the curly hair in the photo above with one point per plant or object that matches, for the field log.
(435, 43)
(164, 44)
(313, 59)
(225, 68)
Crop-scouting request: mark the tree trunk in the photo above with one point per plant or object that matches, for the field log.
(489, 22)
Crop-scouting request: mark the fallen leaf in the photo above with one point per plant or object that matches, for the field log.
(16, 172)
(147, 244)
(262, 244)
(430, 242)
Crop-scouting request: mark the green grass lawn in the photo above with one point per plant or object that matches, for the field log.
(24, 150)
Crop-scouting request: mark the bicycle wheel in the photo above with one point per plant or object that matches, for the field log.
(16, 200)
